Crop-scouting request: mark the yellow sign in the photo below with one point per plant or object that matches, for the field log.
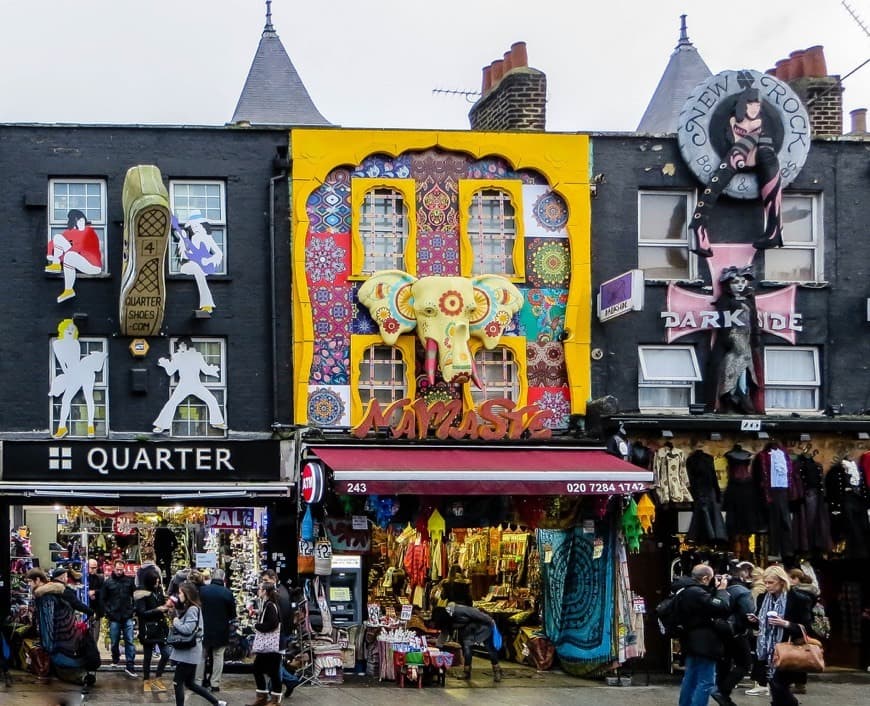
(139, 347)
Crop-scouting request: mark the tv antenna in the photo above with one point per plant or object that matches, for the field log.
(470, 96)
(855, 17)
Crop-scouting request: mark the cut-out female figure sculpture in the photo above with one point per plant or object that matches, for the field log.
(737, 343)
(750, 148)
(199, 254)
(77, 249)
(188, 363)
(77, 373)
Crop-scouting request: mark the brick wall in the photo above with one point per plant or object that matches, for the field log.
(823, 97)
(517, 102)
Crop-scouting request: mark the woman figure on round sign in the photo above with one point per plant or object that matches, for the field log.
(750, 148)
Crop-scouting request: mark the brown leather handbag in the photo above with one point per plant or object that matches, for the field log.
(803, 655)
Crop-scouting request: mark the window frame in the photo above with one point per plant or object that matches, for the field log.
(210, 383)
(222, 224)
(98, 224)
(683, 382)
(692, 259)
(816, 244)
(782, 384)
(514, 189)
(517, 346)
(55, 402)
(359, 188)
(359, 344)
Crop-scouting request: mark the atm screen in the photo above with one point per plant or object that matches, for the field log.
(339, 593)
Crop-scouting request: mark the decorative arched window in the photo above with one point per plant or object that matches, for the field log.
(380, 372)
(491, 228)
(384, 226)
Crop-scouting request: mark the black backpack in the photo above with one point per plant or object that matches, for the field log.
(668, 614)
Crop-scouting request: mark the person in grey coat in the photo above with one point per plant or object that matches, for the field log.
(218, 610)
(187, 623)
(475, 628)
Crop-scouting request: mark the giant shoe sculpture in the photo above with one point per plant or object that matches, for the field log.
(146, 236)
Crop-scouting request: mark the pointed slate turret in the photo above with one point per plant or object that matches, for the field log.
(685, 70)
(273, 93)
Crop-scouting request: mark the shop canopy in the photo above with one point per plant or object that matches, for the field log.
(361, 470)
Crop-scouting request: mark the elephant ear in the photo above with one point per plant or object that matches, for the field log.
(496, 300)
(387, 295)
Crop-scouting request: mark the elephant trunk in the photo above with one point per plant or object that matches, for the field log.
(475, 378)
(431, 359)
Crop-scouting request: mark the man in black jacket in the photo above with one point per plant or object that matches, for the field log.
(95, 584)
(117, 599)
(737, 661)
(703, 606)
(218, 609)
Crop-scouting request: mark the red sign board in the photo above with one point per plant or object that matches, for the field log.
(311, 482)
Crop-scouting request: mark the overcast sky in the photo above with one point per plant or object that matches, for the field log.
(374, 63)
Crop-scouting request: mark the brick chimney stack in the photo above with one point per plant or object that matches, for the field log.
(514, 96)
(807, 73)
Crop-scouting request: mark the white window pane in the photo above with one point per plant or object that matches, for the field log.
(663, 217)
(799, 398)
(797, 219)
(663, 364)
(664, 262)
(663, 397)
(790, 366)
(789, 265)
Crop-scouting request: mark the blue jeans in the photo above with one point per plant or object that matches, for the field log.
(698, 681)
(115, 628)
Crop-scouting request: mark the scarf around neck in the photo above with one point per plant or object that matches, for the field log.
(768, 635)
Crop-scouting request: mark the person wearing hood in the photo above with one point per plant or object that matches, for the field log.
(703, 606)
(61, 575)
(803, 585)
(151, 609)
(475, 628)
(55, 607)
(218, 609)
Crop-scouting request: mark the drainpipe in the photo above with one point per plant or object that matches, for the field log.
(281, 163)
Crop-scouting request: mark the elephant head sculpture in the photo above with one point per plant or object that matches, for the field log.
(446, 311)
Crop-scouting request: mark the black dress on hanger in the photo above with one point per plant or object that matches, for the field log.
(706, 526)
(741, 501)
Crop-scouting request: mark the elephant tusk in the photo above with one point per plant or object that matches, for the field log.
(431, 359)
(475, 378)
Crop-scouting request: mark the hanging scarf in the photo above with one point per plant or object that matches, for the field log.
(768, 635)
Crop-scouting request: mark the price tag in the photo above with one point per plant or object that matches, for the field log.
(597, 548)
(374, 611)
(360, 522)
(639, 605)
(407, 610)
(750, 425)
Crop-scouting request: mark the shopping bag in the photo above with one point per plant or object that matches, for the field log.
(496, 638)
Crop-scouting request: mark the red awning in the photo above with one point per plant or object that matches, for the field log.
(360, 470)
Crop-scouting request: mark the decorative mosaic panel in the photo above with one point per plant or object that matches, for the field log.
(361, 321)
(543, 314)
(327, 258)
(332, 309)
(556, 400)
(329, 405)
(546, 364)
(437, 254)
(548, 262)
(385, 167)
(330, 364)
(495, 168)
(329, 206)
(545, 212)
(437, 176)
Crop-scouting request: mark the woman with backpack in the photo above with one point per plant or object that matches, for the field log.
(151, 609)
(186, 641)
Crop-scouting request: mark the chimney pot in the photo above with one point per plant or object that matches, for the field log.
(783, 69)
(771, 72)
(487, 80)
(859, 120)
(519, 55)
(507, 61)
(814, 61)
(797, 64)
(496, 70)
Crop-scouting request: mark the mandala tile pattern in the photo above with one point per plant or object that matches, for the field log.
(329, 406)
(545, 363)
(495, 168)
(555, 400)
(328, 206)
(548, 262)
(331, 360)
(385, 167)
(437, 254)
(332, 310)
(542, 317)
(545, 212)
(361, 320)
(327, 258)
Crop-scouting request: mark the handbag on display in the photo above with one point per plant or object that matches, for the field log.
(805, 655)
(323, 557)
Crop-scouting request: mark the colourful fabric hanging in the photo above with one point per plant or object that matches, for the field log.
(631, 527)
(646, 512)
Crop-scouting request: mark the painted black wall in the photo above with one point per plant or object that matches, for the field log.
(834, 315)
(244, 159)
